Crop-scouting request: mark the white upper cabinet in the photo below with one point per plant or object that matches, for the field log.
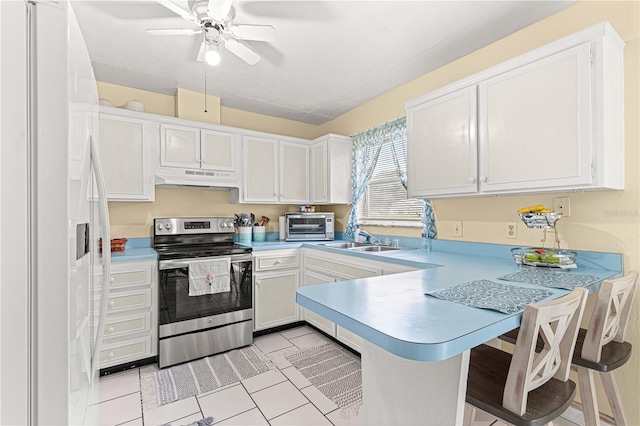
(275, 171)
(442, 145)
(127, 146)
(535, 124)
(330, 170)
(548, 120)
(194, 148)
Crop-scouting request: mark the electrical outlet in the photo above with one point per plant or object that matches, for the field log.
(457, 229)
(511, 230)
(562, 205)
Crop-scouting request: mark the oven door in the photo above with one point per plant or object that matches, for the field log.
(181, 313)
(308, 228)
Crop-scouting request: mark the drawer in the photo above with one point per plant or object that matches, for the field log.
(124, 274)
(340, 268)
(276, 261)
(125, 325)
(123, 301)
(126, 351)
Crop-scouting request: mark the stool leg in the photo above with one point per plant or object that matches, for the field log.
(588, 396)
(613, 395)
(469, 415)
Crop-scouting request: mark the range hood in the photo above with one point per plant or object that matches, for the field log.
(166, 176)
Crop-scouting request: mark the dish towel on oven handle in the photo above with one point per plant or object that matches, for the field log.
(209, 276)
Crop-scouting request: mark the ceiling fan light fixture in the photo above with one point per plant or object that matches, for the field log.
(212, 56)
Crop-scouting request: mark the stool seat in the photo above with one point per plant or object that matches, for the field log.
(488, 368)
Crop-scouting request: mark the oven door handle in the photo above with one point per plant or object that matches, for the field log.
(184, 263)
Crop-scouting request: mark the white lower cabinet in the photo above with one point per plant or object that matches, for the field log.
(312, 277)
(131, 328)
(276, 278)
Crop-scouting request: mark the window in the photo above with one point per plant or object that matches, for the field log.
(385, 201)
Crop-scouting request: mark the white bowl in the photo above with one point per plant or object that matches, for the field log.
(134, 106)
(105, 102)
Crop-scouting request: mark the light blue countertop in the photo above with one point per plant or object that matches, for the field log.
(135, 249)
(393, 312)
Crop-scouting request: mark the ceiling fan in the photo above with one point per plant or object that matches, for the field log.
(215, 19)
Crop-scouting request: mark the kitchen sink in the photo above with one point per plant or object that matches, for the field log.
(360, 247)
(346, 245)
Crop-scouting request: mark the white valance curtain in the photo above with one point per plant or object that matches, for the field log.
(366, 148)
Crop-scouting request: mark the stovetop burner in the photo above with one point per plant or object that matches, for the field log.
(183, 238)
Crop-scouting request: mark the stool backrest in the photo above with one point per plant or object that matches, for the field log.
(557, 322)
(610, 315)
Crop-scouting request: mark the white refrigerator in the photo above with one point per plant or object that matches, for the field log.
(53, 211)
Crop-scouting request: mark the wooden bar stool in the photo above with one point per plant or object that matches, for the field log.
(529, 388)
(601, 347)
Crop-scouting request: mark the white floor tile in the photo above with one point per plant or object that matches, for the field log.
(307, 415)
(117, 411)
(117, 385)
(295, 332)
(248, 418)
(309, 340)
(271, 343)
(342, 417)
(226, 403)
(317, 398)
(187, 420)
(263, 380)
(278, 357)
(296, 377)
(279, 399)
(170, 412)
(135, 422)
(150, 368)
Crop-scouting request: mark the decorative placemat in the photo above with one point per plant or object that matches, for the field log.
(485, 294)
(545, 278)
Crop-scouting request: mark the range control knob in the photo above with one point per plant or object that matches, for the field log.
(168, 226)
(160, 227)
(223, 225)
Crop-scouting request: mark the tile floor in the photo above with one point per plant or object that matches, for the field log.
(278, 397)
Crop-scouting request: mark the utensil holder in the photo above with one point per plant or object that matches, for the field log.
(244, 234)
(259, 233)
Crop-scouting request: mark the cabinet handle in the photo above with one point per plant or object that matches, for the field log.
(109, 330)
(111, 355)
(277, 262)
(112, 279)
(257, 282)
(483, 178)
(472, 180)
(112, 304)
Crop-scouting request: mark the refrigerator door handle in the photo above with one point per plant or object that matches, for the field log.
(106, 254)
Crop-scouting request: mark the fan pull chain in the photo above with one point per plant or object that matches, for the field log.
(205, 85)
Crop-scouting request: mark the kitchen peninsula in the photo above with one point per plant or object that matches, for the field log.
(416, 350)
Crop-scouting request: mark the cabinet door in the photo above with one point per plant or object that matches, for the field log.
(312, 278)
(125, 151)
(260, 172)
(442, 146)
(180, 146)
(319, 175)
(294, 173)
(218, 150)
(535, 124)
(275, 298)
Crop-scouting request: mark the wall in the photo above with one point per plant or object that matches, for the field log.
(603, 221)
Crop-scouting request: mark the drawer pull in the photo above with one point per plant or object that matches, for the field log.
(109, 330)
(257, 282)
(112, 279)
(277, 262)
(112, 304)
(111, 355)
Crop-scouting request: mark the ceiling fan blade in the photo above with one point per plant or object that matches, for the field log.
(178, 10)
(253, 32)
(242, 51)
(174, 31)
(203, 49)
(219, 9)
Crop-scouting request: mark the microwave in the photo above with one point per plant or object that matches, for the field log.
(309, 226)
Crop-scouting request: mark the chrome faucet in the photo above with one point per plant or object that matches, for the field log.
(370, 239)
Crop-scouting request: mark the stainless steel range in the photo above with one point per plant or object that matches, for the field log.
(205, 288)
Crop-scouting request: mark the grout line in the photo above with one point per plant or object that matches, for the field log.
(128, 421)
(117, 397)
(254, 403)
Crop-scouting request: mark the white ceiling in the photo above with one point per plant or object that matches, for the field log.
(329, 56)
